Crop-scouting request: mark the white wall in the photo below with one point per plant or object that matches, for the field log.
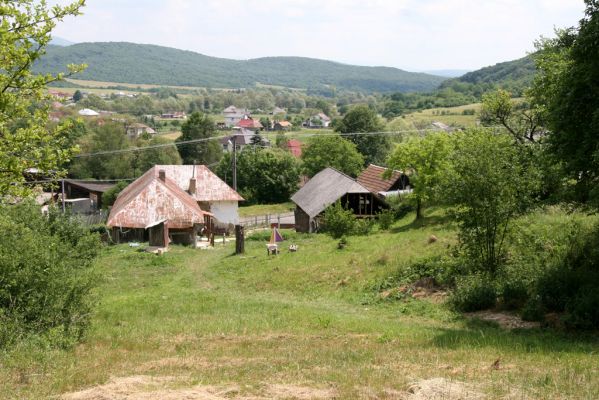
(225, 212)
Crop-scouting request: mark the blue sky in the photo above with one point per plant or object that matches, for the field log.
(410, 34)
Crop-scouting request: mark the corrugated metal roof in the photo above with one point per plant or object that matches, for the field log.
(324, 189)
(148, 200)
(92, 186)
(209, 187)
(372, 179)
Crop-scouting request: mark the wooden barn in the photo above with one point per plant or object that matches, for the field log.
(323, 190)
(154, 207)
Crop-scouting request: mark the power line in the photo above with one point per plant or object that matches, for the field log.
(156, 146)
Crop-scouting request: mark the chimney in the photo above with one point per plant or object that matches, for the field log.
(192, 186)
(162, 175)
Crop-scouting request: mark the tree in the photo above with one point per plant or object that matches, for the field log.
(27, 142)
(199, 127)
(426, 161)
(522, 120)
(77, 96)
(491, 182)
(567, 87)
(361, 119)
(264, 176)
(167, 154)
(331, 151)
(105, 138)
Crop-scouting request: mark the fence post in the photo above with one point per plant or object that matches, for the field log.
(278, 221)
(239, 240)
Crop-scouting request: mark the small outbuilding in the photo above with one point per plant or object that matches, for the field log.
(326, 188)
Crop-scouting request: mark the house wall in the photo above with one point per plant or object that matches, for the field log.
(225, 212)
(302, 221)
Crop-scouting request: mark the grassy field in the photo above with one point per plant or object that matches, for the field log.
(263, 209)
(452, 116)
(205, 324)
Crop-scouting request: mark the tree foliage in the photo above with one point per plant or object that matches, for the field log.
(426, 161)
(331, 151)
(568, 88)
(199, 126)
(362, 119)
(27, 142)
(264, 176)
(492, 181)
(522, 120)
(45, 274)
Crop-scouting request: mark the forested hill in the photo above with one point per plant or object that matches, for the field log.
(514, 76)
(140, 63)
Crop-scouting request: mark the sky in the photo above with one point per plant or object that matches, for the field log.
(414, 35)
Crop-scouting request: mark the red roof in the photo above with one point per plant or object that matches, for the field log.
(249, 123)
(372, 179)
(295, 147)
(149, 200)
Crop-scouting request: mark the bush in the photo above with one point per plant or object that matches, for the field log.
(582, 310)
(474, 293)
(46, 275)
(386, 219)
(363, 227)
(338, 222)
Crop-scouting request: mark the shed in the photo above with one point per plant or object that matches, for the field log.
(152, 200)
(323, 190)
(75, 189)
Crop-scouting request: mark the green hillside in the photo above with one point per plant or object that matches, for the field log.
(150, 64)
(514, 76)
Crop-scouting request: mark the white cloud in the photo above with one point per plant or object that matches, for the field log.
(409, 34)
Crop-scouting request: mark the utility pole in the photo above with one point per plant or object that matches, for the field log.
(234, 162)
(63, 207)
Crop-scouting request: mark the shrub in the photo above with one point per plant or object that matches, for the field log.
(474, 293)
(109, 196)
(582, 310)
(337, 221)
(363, 227)
(46, 275)
(386, 219)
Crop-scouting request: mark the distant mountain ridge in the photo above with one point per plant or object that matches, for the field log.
(124, 62)
(58, 41)
(514, 76)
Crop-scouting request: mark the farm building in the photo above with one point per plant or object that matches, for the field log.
(282, 126)
(372, 179)
(156, 205)
(233, 114)
(136, 130)
(323, 190)
(247, 122)
(93, 190)
(210, 192)
(242, 138)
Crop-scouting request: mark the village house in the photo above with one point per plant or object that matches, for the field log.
(136, 130)
(155, 206)
(88, 112)
(320, 120)
(282, 126)
(277, 111)
(174, 115)
(372, 179)
(326, 188)
(248, 122)
(210, 192)
(233, 115)
(242, 138)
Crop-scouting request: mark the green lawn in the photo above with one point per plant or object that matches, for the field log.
(264, 209)
(255, 325)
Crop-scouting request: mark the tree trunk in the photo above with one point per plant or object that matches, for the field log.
(419, 209)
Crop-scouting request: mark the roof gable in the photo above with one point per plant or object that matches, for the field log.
(209, 187)
(149, 200)
(324, 189)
